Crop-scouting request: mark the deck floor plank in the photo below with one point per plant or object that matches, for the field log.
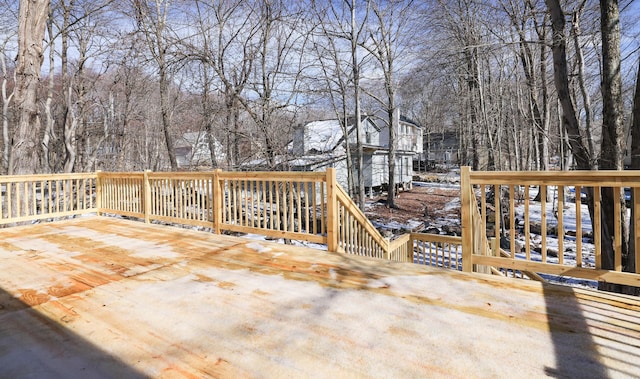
(106, 297)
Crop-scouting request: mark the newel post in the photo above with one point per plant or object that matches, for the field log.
(217, 197)
(467, 228)
(147, 197)
(332, 211)
(98, 192)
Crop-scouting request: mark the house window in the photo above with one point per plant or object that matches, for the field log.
(367, 136)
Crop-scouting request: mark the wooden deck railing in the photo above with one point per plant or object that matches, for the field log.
(121, 193)
(500, 204)
(39, 197)
(437, 250)
(312, 207)
(282, 205)
(305, 206)
(290, 205)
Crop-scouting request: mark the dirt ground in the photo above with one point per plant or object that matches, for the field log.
(427, 204)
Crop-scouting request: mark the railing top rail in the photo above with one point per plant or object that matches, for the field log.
(298, 176)
(121, 174)
(277, 175)
(181, 175)
(39, 177)
(441, 238)
(604, 178)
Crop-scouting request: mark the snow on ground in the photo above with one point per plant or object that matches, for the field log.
(569, 216)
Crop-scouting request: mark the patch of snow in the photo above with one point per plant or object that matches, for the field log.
(453, 204)
(436, 185)
(258, 247)
(377, 283)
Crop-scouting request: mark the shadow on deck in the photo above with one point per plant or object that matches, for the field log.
(605, 326)
(37, 345)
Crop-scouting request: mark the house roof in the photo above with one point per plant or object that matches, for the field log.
(323, 136)
(409, 121)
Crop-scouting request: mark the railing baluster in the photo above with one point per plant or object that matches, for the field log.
(543, 222)
(597, 228)
(527, 223)
(578, 197)
(560, 228)
(617, 234)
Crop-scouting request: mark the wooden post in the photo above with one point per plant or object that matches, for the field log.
(636, 225)
(98, 193)
(147, 197)
(217, 197)
(410, 248)
(332, 211)
(466, 193)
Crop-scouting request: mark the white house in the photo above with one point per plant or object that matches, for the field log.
(321, 144)
(192, 150)
(409, 144)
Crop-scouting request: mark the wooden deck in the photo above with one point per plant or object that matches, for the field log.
(105, 297)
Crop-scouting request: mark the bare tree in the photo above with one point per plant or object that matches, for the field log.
(570, 122)
(586, 98)
(342, 66)
(128, 146)
(461, 21)
(388, 43)
(520, 19)
(276, 75)
(7, 30)
(354, 38)
(226, 43)
(25, 150)
(152, 21)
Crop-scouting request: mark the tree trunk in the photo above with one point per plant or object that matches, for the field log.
(358, 118)
(635, 165)
(207, 115)
(6, 100)
(49, 132)
(166, 117)
(586, 99)
(561, 80)
(612, 153)
(612, 147)
(26, 145)
(393, 125)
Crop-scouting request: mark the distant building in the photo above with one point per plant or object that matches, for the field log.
(192, 150)
(442, 148)
(321, 144)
